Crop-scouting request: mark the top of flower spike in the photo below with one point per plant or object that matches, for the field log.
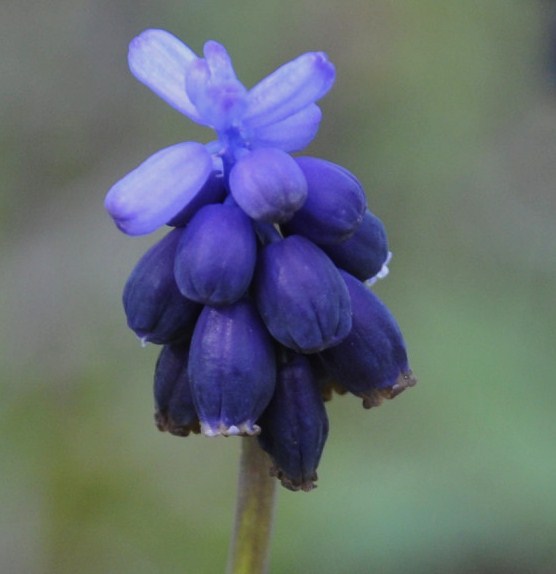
(279, 111)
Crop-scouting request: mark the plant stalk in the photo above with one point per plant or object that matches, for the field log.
(250, 544)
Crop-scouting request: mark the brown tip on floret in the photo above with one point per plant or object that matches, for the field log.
(375, 397)
(166, 424)
(331, 388)
(294, 485)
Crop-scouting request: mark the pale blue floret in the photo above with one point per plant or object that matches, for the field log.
(160, 61)
(153, 193)
(212, 86)
(279, 112)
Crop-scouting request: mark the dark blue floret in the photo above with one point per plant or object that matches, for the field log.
(232, 369)
(301, 296)
(216, 255)
(156, 310)
(294, 425)
(365, 252)
(372, 361)
(335, 203)
(174, 408)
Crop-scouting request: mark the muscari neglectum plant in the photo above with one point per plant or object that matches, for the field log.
(260, 292)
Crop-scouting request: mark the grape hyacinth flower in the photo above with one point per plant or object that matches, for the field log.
(259, 293)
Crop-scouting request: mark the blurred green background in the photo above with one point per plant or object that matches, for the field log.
(446, 111)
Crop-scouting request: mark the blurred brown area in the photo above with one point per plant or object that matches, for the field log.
(447, 113)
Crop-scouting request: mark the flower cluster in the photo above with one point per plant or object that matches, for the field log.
(260, 292)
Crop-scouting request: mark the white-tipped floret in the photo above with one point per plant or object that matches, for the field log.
(243, 429)
(384, 270)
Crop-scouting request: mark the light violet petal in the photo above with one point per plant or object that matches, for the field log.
(291, 134)
(211, 85)
(160, 61)
(153, 193)
(219, 61)
(196, 81)
(289, 89)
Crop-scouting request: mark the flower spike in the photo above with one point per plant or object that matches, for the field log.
(260, 292)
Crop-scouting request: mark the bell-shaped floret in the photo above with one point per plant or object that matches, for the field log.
(174, 408)
(371, 362)
(213, 191)
(161, 187)
(294, 426)
(335, 203)
(232, 369)
(216, 255)
(301, 295)
(364, 254)
(156, 310)
(268, 185)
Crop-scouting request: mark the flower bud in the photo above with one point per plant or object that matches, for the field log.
(156, 311)
(294, 426)
(301, 296)
(335, 203)
(232, 369)
(371, 362)
(365, 252)
(268, 185)
(174, 408)
(216, 255)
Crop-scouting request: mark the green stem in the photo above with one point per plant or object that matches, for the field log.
(250, 545)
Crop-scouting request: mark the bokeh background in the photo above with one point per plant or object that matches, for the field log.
(446, 111)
